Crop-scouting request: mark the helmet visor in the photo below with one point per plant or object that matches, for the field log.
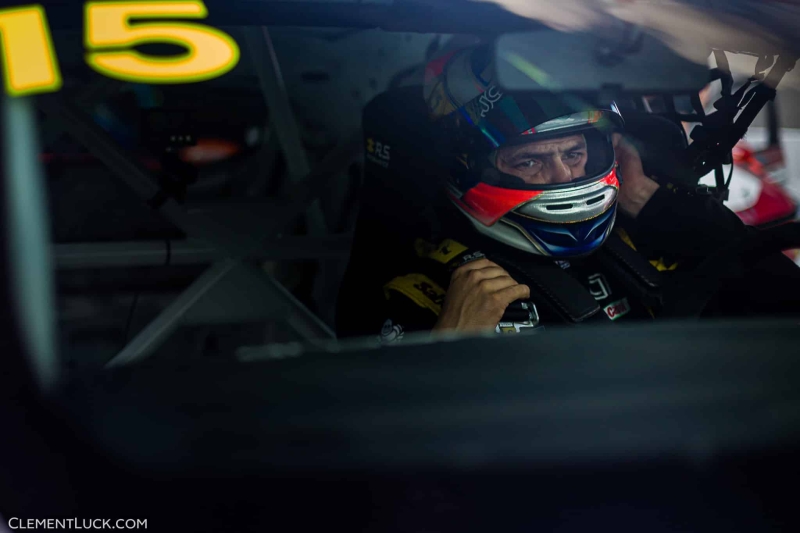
(559, 158)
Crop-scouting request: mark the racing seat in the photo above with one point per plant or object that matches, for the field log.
(398, 194)
(402, 164)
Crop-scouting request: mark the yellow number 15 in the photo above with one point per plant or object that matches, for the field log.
(31, 65)
(211, 52)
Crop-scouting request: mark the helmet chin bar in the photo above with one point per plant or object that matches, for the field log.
(581, 203)
(513, 234)
(558, 223)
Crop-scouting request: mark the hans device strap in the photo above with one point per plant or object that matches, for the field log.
(632, 269)
(553, 287)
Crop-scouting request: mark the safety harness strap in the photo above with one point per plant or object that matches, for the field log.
(633, 270)
(555, 288)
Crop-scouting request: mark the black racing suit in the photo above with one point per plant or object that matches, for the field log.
(396, 285)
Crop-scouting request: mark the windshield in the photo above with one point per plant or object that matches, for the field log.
(237, 183)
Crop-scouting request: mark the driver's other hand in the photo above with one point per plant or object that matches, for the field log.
(478, 296)
(635, 188)
(630, 162)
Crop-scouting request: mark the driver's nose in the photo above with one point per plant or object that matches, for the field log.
(560, 172)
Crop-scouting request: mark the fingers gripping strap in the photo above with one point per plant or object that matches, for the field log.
(420, 289)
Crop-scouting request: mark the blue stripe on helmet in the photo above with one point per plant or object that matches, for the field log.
(568, 239)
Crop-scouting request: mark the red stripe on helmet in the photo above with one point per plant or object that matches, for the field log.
(488, 203)
(611, 178)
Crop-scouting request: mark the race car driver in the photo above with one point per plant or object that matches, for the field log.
(550, 218)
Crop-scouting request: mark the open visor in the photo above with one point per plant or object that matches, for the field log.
(586, 152)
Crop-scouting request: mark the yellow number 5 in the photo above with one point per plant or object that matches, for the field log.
(30, 63)
(211, 52)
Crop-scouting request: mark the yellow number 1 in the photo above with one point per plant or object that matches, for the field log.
(108, 33)
(30, 62)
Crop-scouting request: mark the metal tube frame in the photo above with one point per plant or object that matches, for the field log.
(191, 252)
(27, 239)
(224, 240)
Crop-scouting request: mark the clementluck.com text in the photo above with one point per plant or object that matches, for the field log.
(61, 524)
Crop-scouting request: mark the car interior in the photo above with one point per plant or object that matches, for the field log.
(173, 255)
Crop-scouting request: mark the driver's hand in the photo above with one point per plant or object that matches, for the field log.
(478, 296)
(636, 188)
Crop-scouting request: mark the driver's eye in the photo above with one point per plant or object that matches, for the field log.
(573, 157)
(529, 164)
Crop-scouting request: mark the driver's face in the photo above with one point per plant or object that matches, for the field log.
(547, 162)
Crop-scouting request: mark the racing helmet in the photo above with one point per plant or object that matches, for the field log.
(501, 148)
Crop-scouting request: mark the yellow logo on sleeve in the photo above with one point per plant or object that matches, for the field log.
(420, 289)
(445, 252)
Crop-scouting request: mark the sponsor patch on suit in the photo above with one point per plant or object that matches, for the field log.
(617, 309)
